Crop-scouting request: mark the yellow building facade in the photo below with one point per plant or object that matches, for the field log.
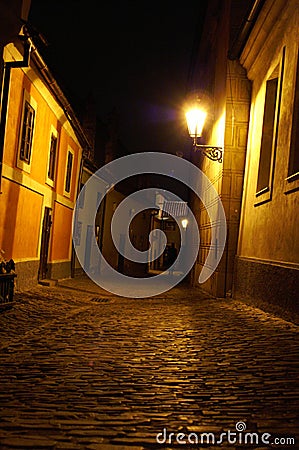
(267, 261)
(247, 72)
(224, 92)
(41, 165)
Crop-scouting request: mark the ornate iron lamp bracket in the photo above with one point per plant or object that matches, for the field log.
(211, 151)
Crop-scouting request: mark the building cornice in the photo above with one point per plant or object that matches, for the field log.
(52, 84)
(269, 28)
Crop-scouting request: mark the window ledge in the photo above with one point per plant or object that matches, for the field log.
(263, 196)
(50, 182)
(291, 183)
(23, 165)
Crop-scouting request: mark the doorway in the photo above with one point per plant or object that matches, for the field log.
(44, 250)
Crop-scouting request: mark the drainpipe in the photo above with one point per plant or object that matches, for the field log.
(5, 93)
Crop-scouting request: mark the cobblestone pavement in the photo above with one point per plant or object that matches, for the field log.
(83, 369)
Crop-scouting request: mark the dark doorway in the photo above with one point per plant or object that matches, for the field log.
(44, 250)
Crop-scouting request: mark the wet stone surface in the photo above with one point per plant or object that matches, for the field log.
(113, 373)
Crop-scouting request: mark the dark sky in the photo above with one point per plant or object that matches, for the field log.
(132, 55)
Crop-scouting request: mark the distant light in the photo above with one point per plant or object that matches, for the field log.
(184, 223)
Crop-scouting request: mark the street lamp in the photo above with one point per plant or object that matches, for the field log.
(195, 120)
(184, 223)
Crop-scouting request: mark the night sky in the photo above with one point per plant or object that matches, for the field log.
(131, 55)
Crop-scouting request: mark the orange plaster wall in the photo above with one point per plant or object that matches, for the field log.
(13, 117)
(21, 209)
(61, 233)
(66, 143)
(42, 130)
(43, 119)
(20, 221)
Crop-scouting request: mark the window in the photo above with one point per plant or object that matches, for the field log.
(68, 177)
(27, 132)
(293, 169)
(27, 123)
(52, 157)
(269, 134)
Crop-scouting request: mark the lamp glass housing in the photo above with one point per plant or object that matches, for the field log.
(195, 120)
(184, 223)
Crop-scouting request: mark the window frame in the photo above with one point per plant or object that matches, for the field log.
(71, 152)
(265, 194)
(22, 163)
(53, 133)
(291, 181)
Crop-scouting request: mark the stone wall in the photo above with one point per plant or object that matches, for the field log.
(272, 287)
(26, 275)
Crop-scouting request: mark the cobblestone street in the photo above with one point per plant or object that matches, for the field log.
(83, 369)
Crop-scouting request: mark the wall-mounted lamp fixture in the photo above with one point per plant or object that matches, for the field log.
(195, 120)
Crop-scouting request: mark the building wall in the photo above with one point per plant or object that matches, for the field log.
(138, 233)
(26, 189)
(90, 225)
(225, 88)
(267, 263)
(113, 198)
(18, 203)
(210, 83)
(262, 225)
(238, 94)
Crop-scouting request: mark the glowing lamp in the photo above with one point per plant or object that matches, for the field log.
(184, 223)
(195, 121)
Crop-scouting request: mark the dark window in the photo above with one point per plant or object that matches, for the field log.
(27, 133)
(267, 135)
(68, 172)
(52, 157)
(294, 149)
